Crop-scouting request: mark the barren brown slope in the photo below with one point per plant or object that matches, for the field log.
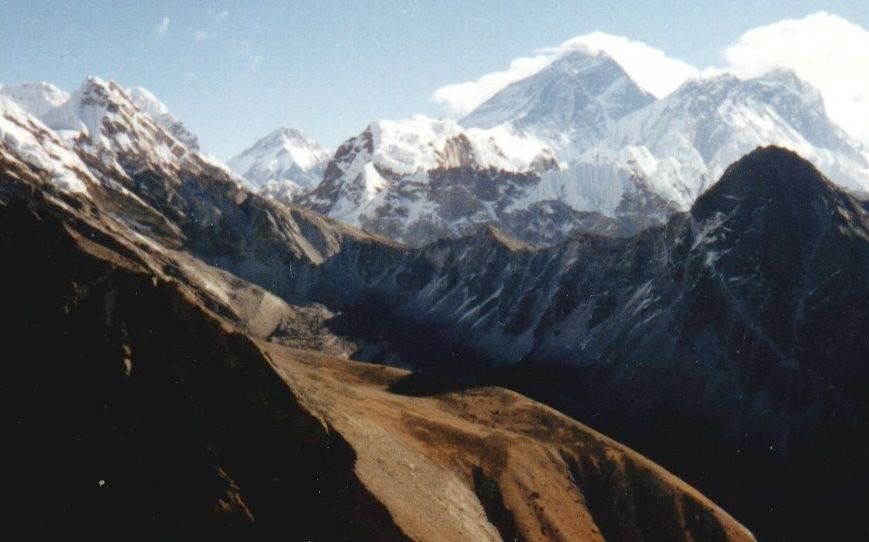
(494, 462)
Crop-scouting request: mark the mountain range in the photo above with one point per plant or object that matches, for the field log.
(722, 334)
(282, 165)
(150, 386)
(577, 147)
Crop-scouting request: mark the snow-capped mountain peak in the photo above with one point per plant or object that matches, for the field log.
(709, 123)
(576, 145)
(106, 113)
(94, 101)
(35, 146)
(572, 102)
(282, 164)
(304, 151)
(103, 124)
(84, 110)
(100, 119)
(149, 104)
(36, 98)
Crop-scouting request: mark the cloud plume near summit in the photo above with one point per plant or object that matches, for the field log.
(825, 49)
(651, 68)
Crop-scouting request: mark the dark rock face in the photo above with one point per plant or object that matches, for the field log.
(128, 406)
(735, 336)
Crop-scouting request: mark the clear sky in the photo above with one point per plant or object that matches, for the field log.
(235, 70)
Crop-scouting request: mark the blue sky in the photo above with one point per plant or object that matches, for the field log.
(233, 70)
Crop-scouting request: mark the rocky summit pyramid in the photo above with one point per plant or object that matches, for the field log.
(284, 164)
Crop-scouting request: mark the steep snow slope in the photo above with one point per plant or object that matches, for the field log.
(35, 98)
(28, 142)
(692, 135)
(149, 104)
(571, 103)
(420, 178)
(283, 164)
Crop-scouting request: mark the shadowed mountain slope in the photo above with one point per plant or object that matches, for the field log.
(738, 330)
(134, 398)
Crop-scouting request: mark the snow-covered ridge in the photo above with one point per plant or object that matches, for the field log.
(692, 135)
(677, 146)
(103, 120)
(421, 143)
(35, 98)
(148, 103)
(420, 178)
(570, 103)
(582, 137)
(102, 124)
(282, 164)
(24, 139)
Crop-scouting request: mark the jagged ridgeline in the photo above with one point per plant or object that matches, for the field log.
(577, 147)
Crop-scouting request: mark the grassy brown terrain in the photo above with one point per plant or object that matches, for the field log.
(494, 461)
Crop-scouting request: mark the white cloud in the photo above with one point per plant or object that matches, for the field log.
(214, 20)
(651, 68)
(461, 98)
(826, 50)
(163, 27)
(202, 35)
